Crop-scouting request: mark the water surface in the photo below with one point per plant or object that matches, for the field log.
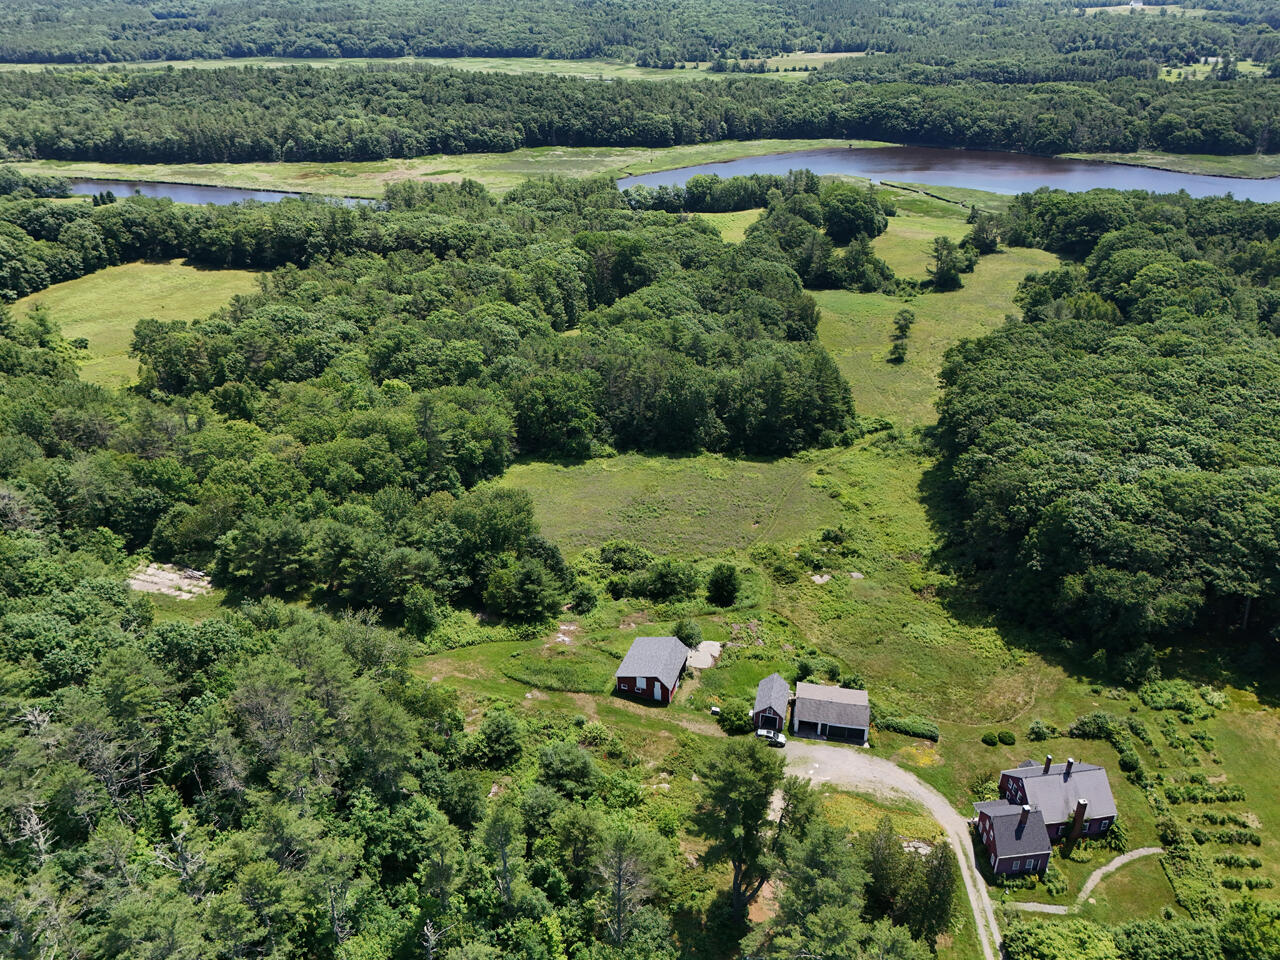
(979, 169)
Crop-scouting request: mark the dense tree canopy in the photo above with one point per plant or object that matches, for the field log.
(1115, 449)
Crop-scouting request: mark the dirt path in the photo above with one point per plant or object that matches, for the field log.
(859, 770)
(1095, 878)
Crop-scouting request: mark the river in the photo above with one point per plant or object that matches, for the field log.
(979, 169)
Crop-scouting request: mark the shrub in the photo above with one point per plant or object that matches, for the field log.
(735, 717)
(1007, 738)
(584, 599)
(910, 726)
(499, 740)
(568, 768)
(1117, 836)
(1039, 730)
(623, 556)
(990, 739)
(689, 633)
(723, 585)
(666, 579)
(1054, 880)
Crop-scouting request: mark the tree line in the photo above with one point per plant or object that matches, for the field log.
(263, 114)
(1112, 451)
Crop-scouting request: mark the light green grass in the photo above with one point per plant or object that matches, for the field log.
(1137, 891)
(1153, 9)
(498, 171)
(591, 69)
(906, 245)
(1199, 71)
(856, 329)
(103, 307)
(733, 225)
(702, 504)
(1251, 166)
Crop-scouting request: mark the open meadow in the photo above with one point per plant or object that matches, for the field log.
(102, 308)
(368, 179)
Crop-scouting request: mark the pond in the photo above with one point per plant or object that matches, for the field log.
(978, 169)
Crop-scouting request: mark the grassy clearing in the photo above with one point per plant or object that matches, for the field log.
(703, 504)
(102, 307)
(1168, 9)
(1253, 166)
(1199, 71)
(733, 225)
(856, 328)
(498, 171)
(907, 244)
(590, 69)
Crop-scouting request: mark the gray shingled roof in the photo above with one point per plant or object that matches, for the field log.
(661, 657)
(1055, 794)
(775, 692)
(831, 705)
(1013, 837)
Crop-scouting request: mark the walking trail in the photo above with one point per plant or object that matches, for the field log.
(859, 770)
(1094, 879)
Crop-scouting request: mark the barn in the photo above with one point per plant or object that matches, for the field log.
(772, 696)
(651, 669)
(834, 713)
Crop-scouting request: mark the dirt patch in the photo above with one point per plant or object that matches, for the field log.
(705, 656)
(765, 905)
(178, 582)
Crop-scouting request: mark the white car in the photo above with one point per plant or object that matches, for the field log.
(773, 737)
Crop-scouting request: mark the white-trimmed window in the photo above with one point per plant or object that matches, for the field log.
(1015, 865)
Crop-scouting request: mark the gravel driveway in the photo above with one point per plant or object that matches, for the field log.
(856, 769)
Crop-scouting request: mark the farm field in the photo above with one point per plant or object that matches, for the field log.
(498, 171)
(791, 67)
(103, 306)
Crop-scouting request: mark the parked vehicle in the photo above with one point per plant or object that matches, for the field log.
(772, 737)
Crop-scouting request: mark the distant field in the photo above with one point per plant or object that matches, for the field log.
(1256, 166)
(733, 226)
(907, 243)
(702, 504)
(498, 171)
(856, 328)
(1167, 9)
(789, 66)
(104, 306)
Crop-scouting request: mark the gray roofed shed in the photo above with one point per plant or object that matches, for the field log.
(774, 692)
(1055, 793)
(661, 657)
(832, 706)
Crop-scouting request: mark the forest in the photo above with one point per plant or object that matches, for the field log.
(65, 31)
(1112, 452)
(274, 779)
(299, 113)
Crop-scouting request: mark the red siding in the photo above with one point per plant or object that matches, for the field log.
(627, 687)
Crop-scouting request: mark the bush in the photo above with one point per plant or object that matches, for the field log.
(584, 599)
(910, 726)
(990, 739)
(723, 585)
(735, 717)
(689, 633)
(666, 579)
(568, 768)
(1007, 738)
(1054, 880)
(1039, 730)
(623, 556)
(499, 740)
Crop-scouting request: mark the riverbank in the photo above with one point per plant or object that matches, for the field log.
(1250, 166)
(497, 171)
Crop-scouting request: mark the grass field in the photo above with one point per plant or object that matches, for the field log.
(702, 504)
(732, 226)
(907, 243)
(1253, 166)
(791, 66)
(103, 306)
(1199, 71)
(498, 171)
(1137, 891)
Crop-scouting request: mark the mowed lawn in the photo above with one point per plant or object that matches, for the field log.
(703, 504)
(103, 307)
(733, 225)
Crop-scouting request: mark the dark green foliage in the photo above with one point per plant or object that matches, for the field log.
(990, 739)
(1039, 730)
(1148, 516)
(666, 579)
(735, 717)
(688, 632)
(723, 585)
(1007, 738)
(910, 726)
(568, 768)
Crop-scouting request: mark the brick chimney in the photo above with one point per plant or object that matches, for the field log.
(1048, 762)
(1026, 812)
(1077, 822)
(1071, 762)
